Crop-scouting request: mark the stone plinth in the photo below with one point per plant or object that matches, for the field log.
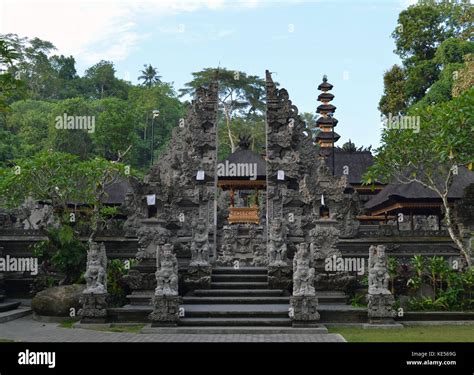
(94, 308)
(198, 276)
(304, 310)
(165, 311)
(380, 308)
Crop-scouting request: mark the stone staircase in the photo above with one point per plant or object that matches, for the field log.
(237, 298)
(11, 310)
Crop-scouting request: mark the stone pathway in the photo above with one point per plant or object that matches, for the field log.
(29, 330)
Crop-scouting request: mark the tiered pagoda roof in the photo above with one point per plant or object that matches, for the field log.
(326, 121)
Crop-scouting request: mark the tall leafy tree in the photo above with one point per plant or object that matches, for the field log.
(429, 37)
(102, 81)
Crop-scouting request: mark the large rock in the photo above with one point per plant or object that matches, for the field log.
(58, 300)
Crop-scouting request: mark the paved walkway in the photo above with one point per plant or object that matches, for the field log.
(29, 330)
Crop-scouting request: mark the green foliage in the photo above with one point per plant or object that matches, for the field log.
(358, 300)
(452, 289)
(430, 38)
(64, 251)
(9, 84)
(116, 287)
(444, 140)
(101, 81)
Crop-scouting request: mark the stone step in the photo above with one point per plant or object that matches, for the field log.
(239, 285)
(338, 313)
(235, 300)
(235, 322)
(239, 278)
(331, 297)
(129, 314)
(329, 314)
(20, 312)
(236, 311)
(7, 306)
(239, 292)
(239, 271)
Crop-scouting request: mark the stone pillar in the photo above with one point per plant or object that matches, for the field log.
(303, 302)
(379, 298)
(166, 300)
(95, 297)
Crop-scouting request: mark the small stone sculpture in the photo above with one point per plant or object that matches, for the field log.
(378, 273)
(277, 243)
(166, 272)
(96, 270)
(380, 300)
(303, 272)
(200, 243)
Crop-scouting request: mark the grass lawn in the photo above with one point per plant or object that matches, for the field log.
(124, 329)
(69, 323)
(444, 333)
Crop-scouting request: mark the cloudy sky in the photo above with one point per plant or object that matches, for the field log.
(298, 40)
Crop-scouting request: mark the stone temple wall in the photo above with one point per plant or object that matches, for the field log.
(182, 183)
(298, 178)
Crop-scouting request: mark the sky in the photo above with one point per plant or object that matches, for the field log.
(298, 40)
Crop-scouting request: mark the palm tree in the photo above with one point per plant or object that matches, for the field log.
(149, 76)
(349, 146)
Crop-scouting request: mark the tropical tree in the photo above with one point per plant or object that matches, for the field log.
(61, 180)
(431, 156)
(149, 76)
(240, 95)
(9, 84)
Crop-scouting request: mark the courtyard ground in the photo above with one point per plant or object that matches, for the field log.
(29, 330)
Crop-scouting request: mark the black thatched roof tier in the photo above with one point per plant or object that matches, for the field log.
(327, 136)
(414, 191)
(326, 120)
(327, 108)
(244, 156)
(325, 85)
(115, 193)
(325, 96)
(357, 163)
